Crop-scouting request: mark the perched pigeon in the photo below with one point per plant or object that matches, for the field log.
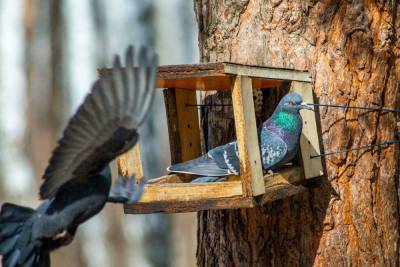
(77, 180)
(278, 137)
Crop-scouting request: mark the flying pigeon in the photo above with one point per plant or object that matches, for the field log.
(279, 138)
(77, 180)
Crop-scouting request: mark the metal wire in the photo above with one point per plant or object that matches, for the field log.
(311, 104)
(208, 105)
(331, 106)
(351, 107)
(391, 142)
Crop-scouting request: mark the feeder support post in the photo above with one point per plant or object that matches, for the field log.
(309, 142)
(247, 139)
(130, 163)
(183, 124)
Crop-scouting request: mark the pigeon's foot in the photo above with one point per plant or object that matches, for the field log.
(126, 191)
(270, 172)
(64, 238)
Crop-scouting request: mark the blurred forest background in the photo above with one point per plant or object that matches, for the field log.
(49, 53)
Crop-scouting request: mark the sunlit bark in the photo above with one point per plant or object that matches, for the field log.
(351, 49)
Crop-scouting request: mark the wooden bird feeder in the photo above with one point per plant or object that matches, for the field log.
(174, 193)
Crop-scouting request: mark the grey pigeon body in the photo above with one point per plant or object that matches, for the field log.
(77, 181)
(278, 138)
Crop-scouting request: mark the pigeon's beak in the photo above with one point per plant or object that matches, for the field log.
(304, 105)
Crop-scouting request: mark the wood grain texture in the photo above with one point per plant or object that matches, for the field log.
(173, 125)
(288, 175)
(171, 178)
(282, 185)
(189, 191)
(309, 140)
(246, 133)
(281, 192)
(209, 83)
(212, 76)
(226, 68)
(183, 124)
(188, 124)
(351, 48)
(130, 163)
(196, 83)
(171, 194)
(190, 206)
(265, 72)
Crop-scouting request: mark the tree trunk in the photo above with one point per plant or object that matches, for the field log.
(352, 50)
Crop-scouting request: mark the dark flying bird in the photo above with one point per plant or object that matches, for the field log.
(77, 180)
(279, 138)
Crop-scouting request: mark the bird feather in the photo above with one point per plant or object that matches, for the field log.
(77, 153)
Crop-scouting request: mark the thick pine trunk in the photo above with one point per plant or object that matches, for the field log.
(352, 49)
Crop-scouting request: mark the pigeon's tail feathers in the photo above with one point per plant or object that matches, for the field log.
(204, 166)
(16, 247)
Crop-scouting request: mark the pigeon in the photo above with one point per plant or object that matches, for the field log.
(279, 138)
(77, 180)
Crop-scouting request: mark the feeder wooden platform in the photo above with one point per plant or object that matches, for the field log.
(175, 193)
(177, 196)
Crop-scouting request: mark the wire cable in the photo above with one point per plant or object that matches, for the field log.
(311, 104)
(352, 107)
(391, 142)
(330, 106)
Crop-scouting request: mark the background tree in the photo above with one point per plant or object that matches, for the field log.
(352, 50)
(49, 53)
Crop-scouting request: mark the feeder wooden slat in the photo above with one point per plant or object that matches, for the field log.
(217, 76)
(266, 72)
(283, 184)
(191, 206)
(222, 83)
(188, 124)
(246, 134)
(172, 122)
(164, 196)
(190, 191)
(278, 192)
(170, 72)
(170, 178)
(309, 140)
(214, 76)
(130, 163)
(183, 124)
(196, 83)
(288, 175)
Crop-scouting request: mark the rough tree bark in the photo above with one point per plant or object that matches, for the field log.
(352, 50)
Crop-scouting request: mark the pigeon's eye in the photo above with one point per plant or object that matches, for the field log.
(290, 103)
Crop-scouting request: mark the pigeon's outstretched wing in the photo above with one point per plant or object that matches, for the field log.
(273, 149)
(219, 161)
(105, 124)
